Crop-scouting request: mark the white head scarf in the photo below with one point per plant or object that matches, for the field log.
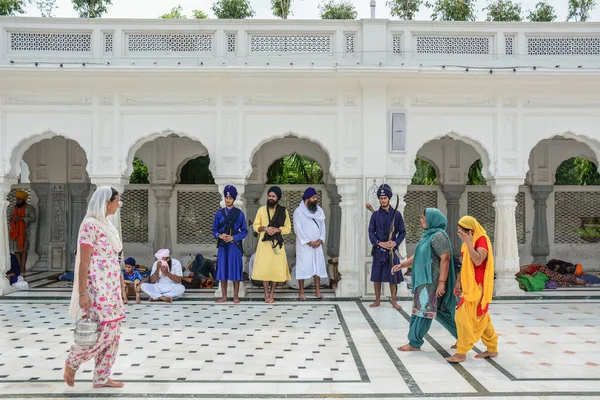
(96, 214)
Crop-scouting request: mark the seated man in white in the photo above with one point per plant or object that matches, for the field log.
(165, 278)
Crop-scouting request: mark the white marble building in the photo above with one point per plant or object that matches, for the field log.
(80, 99)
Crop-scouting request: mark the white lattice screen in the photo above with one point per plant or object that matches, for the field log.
(108, 43)
(231, 42)
(453, 45)
(134, 216)
(563, 46)
(32, 41)
(12, 201)
(193, 42)
(508, 45)
(397, 44)
(290, 43)
(350, 41)
(195, 214)
(291, 200)
(416, 202)
(481, 206)
(570, 208)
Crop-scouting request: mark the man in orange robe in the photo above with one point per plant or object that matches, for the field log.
(23, 216)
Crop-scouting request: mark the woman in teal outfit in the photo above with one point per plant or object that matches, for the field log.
(433, 280)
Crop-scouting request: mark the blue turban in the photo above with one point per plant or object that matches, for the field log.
(308, 193)
(230, 191)
(384, 190)
(130, 261)
(276, 190)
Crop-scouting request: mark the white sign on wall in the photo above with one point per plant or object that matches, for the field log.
(397, 131)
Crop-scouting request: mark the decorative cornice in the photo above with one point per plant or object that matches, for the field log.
(290, 100)
(454, 101)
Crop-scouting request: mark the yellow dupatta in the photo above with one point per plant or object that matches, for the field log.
(470, 288)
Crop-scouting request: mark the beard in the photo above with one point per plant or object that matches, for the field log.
(271, 203)
(20, 204)
(312, 206)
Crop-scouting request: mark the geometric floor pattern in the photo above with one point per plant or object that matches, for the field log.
(548, 349)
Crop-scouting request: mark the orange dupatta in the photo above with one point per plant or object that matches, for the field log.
(18, 228)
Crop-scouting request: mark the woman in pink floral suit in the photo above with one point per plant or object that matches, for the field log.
(97, 288)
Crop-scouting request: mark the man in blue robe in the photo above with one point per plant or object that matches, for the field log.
(229, 228)
(379, 235)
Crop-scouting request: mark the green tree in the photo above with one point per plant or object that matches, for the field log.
(425, 173)
(91, 8)
(295, 170)
(577, 171)
(140, 172)
(543, 12)
(175, 13)
(199, 14)
(452, 10)
(281, 8)
(404, 9)
(12, 7)
(45, 6)
(196, 172)
(232, 9)
(475, 176)
(580, 10)
(332, 9)
(503, 10)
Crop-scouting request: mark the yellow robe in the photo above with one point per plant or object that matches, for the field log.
(269, 266)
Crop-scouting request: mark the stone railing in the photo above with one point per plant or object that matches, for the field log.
(295, 43)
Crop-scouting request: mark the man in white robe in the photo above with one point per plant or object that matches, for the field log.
(165, 278)
(309, 227)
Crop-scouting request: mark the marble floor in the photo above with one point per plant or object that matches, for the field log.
(196, 349)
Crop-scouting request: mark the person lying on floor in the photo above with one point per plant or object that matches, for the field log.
(131, 281)
(202, 273)
(165, 278)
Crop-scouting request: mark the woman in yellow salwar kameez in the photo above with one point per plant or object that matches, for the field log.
(476, 279)
(270, 265)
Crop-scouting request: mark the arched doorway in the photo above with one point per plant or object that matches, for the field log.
(53, 171)
(293, 164)
(170, 177)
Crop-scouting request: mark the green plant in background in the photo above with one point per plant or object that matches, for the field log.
(589, 229)
(139, 176)
(196, 172)
(425, 173)
(295, 170)
(475, 175)
(577, 171)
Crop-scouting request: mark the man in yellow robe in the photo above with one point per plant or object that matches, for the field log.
(270, 265)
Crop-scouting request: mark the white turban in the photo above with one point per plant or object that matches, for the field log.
(162, 253)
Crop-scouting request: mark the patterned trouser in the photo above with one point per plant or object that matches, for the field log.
(104, 352)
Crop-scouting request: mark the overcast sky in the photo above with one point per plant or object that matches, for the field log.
(302, 9)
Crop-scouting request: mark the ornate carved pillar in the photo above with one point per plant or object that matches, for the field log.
(506, 248)
(4, 246)
(540, 246)
(453, 194)
(351, 246)
(78, 193)
(335, 221)
(252, 196)
(162, 234)
(43, 225)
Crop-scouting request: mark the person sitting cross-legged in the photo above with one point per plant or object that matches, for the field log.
(165, 278)
(131, 281)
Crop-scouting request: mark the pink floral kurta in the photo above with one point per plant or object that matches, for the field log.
(104, 275)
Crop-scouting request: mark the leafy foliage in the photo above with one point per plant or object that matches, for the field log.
(45, 6)
(140, 172)
(232, 9)
(343, 9)
(404, 9)
(295, 169)
(425, 173)
(175, 13)
(281, 8)
(577, 171)
(543, 12)
(580, 10)
(12, 7)
(475, 176)
(196, 172)
(503, 10)
(199, 14)
(452, 10)
(91, 8)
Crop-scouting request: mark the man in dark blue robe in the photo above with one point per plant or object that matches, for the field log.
(379, 235)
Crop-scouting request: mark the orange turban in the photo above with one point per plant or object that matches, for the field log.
(21, 195)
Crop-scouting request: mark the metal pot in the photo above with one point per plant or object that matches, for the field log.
(86, 332)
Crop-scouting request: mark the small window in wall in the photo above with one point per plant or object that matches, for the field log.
(475, 176)
(425, 173)
(577, 171)
(196, 172)
(295, 170)
(139, 176)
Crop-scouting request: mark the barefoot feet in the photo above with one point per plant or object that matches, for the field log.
(396, 306)
(222, 300)
(69, 376)
(375, 304)
(109, 384)
(408, 347)
(487, 354)
(236, 300)
(456, 358)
